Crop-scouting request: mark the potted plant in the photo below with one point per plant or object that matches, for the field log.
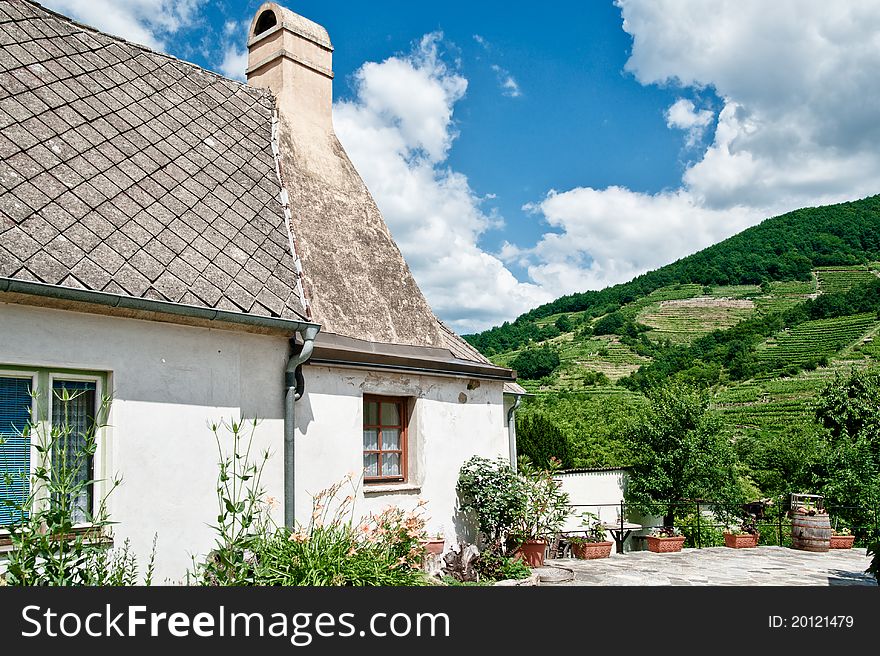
(743, 536)
(842, 539)
(665, 539)
(434, 544)
(593, 543)
(546, 507)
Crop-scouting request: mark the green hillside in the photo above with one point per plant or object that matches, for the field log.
(762, 321)
(786, 248)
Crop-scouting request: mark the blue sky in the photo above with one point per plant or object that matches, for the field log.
(520, 152)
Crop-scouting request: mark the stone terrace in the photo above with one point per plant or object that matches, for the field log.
(774, 566)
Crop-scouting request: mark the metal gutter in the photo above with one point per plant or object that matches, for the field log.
(464, 371)
(294, 387)
(511, 429)
(119, 301)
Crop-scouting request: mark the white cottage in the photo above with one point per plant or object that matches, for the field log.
(202, 249)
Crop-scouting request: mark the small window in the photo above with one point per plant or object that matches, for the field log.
(73, 419)
(15, 445)
(384, 439)
(48, 420)
(265, 22)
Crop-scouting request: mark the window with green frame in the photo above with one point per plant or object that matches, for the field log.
(67, 404)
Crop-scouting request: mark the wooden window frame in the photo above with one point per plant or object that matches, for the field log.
(402, 413)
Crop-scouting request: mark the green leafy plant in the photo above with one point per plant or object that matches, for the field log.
(703, 533)
(332, 548)
(594, 530)
(496, 496)
(493, 566)
(242, 517)
(382, 549)
(546, 503)
(57, 539)
(874, 567)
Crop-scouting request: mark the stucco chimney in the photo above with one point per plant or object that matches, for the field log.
(293, 57)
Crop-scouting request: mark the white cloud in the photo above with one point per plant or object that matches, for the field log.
(398, 130)
(683, 114)
(799, 126)
(509, 86)
(234, 50)
(147, 22)
(234, 63)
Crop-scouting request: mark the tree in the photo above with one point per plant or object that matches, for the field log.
(565, 324)
(536, 362)
(540, 440)
(680, 455)
(849, 408)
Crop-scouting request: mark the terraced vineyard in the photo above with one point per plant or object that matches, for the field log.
(809, 342)
(682, 321)
(840, 279)
(770, 404)
(784, 295)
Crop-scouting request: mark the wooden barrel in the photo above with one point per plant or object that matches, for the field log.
(810, 532)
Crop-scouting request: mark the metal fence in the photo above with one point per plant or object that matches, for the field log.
(700, 521)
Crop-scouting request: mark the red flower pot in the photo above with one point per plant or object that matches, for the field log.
(660, 544)
(531, 552)
(434, 545)
(842, 541)
(591, 550)
(741, 540)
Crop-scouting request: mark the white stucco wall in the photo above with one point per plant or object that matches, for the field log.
(599, 492)
(444, 431)
(169, 381)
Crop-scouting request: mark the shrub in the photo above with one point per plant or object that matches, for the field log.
(496, 496)
(498, 567)
(707, 535)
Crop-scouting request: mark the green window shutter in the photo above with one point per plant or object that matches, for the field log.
(15, 450)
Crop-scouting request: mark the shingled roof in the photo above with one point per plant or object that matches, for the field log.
(131, 172)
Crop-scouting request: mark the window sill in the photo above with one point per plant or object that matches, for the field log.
(375, 489)
(88, 532)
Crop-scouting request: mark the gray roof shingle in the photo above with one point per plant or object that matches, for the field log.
(131, 172)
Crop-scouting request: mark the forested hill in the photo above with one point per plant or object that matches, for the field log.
(781, 248)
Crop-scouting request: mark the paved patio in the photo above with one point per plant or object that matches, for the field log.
(716, 566)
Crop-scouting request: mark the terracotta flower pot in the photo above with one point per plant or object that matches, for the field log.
(434, 545)
(591, 550)
(741, 540)
(842, 541)
(660, 544)
(531, 552)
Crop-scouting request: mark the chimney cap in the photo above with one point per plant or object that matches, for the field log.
(271, 16)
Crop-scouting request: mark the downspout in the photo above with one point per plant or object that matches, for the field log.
(511, 429)
(294, 387)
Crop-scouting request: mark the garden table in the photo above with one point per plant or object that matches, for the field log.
(621, 531)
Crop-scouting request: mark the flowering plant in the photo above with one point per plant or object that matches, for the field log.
(665, 532)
